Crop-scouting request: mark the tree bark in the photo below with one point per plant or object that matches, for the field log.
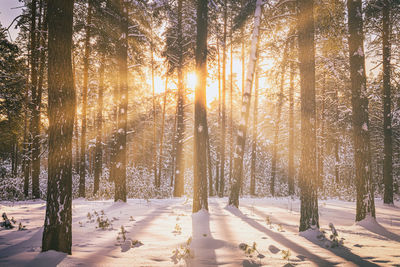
(200, 200)
(241, 135)
(360, 118)
(57, 234)
(308, 183)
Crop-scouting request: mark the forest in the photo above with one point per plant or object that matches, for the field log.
(200, 132)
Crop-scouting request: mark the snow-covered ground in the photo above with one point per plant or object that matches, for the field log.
(172, 236)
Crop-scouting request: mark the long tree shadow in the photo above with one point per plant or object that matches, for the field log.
(203, 244)
(31, 243)
(281, 239)
(373, 226)
(141, 225)
(342, 252)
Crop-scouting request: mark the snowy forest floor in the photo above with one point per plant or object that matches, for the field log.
(163, 226)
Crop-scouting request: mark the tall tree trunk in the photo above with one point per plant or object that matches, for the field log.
(223, 118)
(231, 105)
(180, 168)
(200, 200)
(218, 150)
(99, 145)
(122, 54)
(34, 80)
(291, 122)
(57, 234)
(278, 121)
(37, 102)
(154, 147)
(82, 168)
(387, 113)
(359, 100)
(245, 110)
(308, 183)
(254, 141)
(25, 147)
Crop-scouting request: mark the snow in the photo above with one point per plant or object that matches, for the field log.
(161, 231)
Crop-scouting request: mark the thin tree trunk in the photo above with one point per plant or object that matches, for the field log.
(254, 141)
(308, 183)
(223, 119)
(57, 234)
(25, 149)
(209, 165)
(231, 107)
(180, 168)
(361, 135)
(82, 168)
(162, 130)
(241, 136)
(387, 113)
(218, 152)
(291, 123)
(34, 80)
(154, 148)
(99, 145)
(278, 121)
(76, 126)
(200, 200)
(122, 54)
(321, 146)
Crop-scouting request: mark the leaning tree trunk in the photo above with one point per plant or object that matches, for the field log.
(98, 162)
(241, 135)
(57, 234)
(360, 118)
(122, 55)
(200, 200)
(82, 168)
(387, 114)
(180, 168)
(307, 179)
